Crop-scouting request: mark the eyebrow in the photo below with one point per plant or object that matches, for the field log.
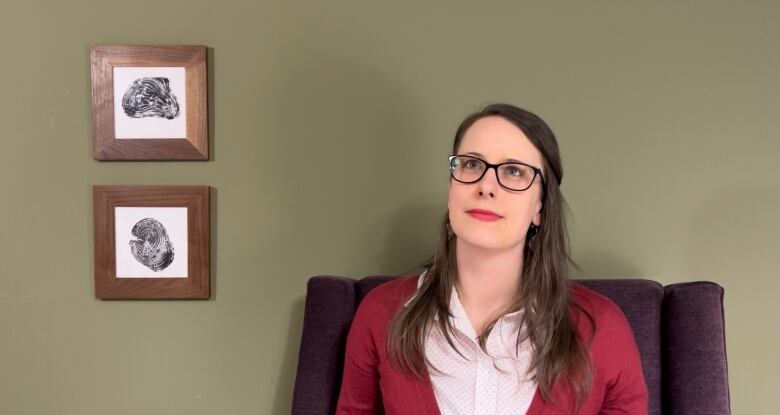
(474, 153)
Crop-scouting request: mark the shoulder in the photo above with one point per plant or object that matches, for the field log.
(611, 324)
(392, 293)
(613, 335)
(614, 352)
(599, 306)
(382, 302)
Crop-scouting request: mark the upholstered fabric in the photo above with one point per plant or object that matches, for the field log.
(694, 350)
(679, 332)
(330, 305)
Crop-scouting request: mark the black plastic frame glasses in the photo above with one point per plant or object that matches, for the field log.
(495, 167)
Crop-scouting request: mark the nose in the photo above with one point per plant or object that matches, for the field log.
(488, 185)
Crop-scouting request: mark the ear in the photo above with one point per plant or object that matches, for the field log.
(449, 194)
(537, 219)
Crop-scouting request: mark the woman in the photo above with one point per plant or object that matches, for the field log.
(517, 336)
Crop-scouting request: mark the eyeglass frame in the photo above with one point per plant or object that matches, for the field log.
(488, 166)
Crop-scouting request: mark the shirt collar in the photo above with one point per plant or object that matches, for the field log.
(459, 317)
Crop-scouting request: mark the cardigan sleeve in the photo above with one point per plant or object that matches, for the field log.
(626, 391)
(360, 393)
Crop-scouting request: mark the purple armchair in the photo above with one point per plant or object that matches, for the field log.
(679, 330)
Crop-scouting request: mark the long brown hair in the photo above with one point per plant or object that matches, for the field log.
(558, 350)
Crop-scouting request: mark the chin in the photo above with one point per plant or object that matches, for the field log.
(486, 240)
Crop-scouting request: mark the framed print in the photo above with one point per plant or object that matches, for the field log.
(149, 102)
(151, 242)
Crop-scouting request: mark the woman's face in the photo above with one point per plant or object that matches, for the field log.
(495, 140)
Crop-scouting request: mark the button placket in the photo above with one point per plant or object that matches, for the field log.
(480, 388)
(486, 381)
(481, 392)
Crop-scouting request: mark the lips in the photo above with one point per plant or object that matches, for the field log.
(485, 215)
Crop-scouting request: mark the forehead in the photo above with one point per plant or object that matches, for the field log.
(498, 140)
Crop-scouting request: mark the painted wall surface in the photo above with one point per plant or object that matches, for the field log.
(331, 123)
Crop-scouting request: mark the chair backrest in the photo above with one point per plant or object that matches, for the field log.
(680, 362)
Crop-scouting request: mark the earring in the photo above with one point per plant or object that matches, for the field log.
(450, 232)
(533, 231)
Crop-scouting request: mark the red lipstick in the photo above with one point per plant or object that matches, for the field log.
(485, 215)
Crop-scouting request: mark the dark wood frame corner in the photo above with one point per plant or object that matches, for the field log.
(105, 144)
(196, 286)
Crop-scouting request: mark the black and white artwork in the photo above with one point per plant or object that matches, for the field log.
(151, 247)
(151, 242)
(149, 102)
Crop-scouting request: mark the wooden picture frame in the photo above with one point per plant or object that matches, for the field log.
(137, 109)
(145, 236)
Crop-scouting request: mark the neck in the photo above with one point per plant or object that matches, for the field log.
(488, 280)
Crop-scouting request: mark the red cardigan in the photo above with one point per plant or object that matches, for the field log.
(372, 386)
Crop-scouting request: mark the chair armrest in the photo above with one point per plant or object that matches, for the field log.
(328, 313)
(695, 369)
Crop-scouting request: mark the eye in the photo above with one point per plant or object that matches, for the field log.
(514, 171)
(471, 164)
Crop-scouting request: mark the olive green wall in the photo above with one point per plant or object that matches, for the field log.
(330, 124)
